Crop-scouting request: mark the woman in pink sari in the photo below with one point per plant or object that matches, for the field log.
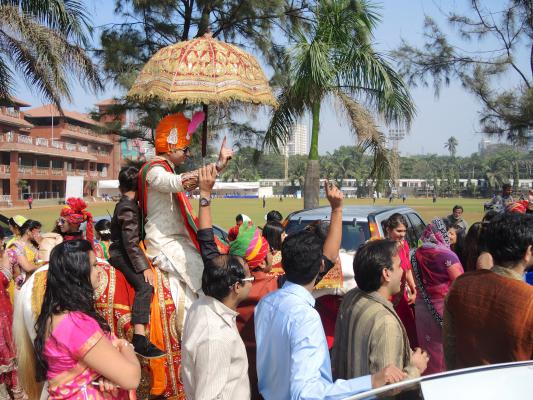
(435, 266)
(396, 229)
(74, 348)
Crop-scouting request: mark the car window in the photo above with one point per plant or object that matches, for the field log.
(411, 237)
(4, 226)
(418, 227)
(353, 234)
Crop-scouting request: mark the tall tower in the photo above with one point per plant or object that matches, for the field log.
(394, 137)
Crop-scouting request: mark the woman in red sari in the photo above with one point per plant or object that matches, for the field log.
(396, 229)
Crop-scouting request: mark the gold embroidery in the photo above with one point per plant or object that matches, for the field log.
(163, 281)
(102, 281)
(123, 321)
(111, 297)
(37, 292)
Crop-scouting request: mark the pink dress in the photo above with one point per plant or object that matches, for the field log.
(68, 377)
(400, 301)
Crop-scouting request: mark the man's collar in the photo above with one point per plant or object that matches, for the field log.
(507, 273)
(227, 314)
(300, 291)
(161, 158)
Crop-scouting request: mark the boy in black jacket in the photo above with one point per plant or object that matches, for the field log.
(128, 258)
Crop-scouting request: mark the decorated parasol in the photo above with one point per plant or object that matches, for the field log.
(202, 71)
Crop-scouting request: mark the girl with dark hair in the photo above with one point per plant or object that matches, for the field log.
(22, 253)
(15, 223)
(472, 247)
(74, 349)
(102, 231)
(274, 234)
(9, 384)
(396, 229)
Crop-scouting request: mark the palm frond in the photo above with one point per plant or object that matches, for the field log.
(44, 57)
(6, 83)
(365, 72)
(369, 137)
(69, 17)
(290, 108)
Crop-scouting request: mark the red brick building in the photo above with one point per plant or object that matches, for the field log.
(43, 147)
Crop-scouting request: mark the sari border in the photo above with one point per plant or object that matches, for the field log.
(89, 344)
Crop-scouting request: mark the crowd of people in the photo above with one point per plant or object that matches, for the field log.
(210, 319)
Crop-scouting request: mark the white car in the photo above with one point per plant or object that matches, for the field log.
(510, 381)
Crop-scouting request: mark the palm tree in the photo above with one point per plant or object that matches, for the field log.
(240, 169)
(345, 168)
(44, 41)
(451, 145)
(335, 61)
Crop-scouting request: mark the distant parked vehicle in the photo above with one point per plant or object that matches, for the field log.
(359, 223)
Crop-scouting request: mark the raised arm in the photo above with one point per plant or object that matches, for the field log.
(207, 178)
(206, 239)
(334, 237)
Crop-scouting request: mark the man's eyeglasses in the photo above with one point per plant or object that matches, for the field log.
(248, 279)
(61, 221)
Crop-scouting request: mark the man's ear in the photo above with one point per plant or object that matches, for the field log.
(386, 274)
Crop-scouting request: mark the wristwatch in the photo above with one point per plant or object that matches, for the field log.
(204, 201)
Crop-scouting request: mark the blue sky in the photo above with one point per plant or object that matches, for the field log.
(455, 112)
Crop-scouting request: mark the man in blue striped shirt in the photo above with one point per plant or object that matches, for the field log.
(293, 360)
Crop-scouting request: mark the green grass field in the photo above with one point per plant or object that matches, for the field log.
(224, 210)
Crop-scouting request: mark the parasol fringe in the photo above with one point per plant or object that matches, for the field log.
(196, 99)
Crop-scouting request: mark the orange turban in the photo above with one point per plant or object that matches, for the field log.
(175, 131)
(75, 213)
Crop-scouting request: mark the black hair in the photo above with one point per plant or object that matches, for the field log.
(274, 215)
(2, 234)
(12, 222)
(458, 207)
(451, 225)
(127, 179)
(490, 215)
(394, 221)
(506, 186)
(472, 247)
(104, 225)
(508, 236)
(29, 225)
(272, 233)
(68, 289)
(238, 218)
(220, 273)
(369, 262)
(301, 256)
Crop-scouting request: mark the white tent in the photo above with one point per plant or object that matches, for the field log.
(109, 187)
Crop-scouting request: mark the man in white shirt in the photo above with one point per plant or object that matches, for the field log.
(214, 361)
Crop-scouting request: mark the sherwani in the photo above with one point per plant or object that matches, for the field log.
(167, 241)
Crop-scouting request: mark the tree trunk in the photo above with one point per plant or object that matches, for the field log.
(312, 173)
(312, 184)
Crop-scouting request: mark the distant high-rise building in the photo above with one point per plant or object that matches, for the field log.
(297, 143)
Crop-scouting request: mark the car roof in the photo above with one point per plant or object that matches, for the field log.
(473, 379)
(349, 212)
